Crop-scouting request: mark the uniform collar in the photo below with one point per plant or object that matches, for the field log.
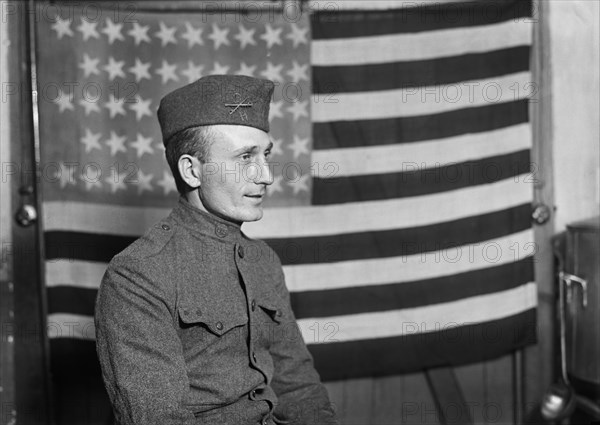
(201, 222)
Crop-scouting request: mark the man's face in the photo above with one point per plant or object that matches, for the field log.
(236, 175)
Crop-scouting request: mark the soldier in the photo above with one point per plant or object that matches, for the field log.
(193, 320)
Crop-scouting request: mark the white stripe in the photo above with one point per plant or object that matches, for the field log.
(415, 101)
(419, 320)
(420, 46)
(339, 5)
(80, 274)
(410, 157)
(311, 220)
(310, 277)
(100, 218)
(66, 325)
(391, 213)
(447, 262)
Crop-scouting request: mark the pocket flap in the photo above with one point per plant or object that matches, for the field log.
(217, 321)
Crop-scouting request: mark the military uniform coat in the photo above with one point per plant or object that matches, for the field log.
(194, 326)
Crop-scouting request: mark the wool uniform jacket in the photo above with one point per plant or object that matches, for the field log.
(194, 325)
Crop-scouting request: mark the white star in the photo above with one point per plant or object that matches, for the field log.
(219, 69)
(166, 34)
(91, 177)
(142, 145)
(89, 65)
(62, 27)
(192, 35)
(143, 181)
(91, 140)
(167, 183)
(64, 101)
(113, 31)
(88, 29)
(298, 35)
(276, 149)
(140, 33)
(140, 70)
(299, 146)
(114, 68)
(115, 106)
(299, 109)
(272, 36)
(141, 107)
(300, 185)
(275, 110)
(167, 72)
(89, 105)
(272, 72)
(276, 185)
(66, 174)
(116, 143)
(116, 181)
(245, 36)
(219, 36)
(192, 72)
(298, 72)
(246, 69)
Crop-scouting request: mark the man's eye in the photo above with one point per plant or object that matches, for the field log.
(267, 154)
(246, 156)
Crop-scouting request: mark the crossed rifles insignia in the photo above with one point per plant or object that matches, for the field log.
(238, 105)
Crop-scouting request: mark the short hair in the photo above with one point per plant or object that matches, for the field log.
(194, 141)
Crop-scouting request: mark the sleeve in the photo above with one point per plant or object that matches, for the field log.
(139, 350)
(302, 398)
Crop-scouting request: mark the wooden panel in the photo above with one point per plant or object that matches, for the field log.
(31, 371)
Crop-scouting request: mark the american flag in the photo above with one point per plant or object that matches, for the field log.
(401, 205)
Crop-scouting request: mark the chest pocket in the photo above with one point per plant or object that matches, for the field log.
(217, 318)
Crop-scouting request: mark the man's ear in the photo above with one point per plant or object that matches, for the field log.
(190, 170)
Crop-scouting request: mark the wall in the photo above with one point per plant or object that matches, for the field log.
(574, 56)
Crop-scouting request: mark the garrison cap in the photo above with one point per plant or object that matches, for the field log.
(216, 99)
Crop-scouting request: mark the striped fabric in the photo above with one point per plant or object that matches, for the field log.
(412, 246)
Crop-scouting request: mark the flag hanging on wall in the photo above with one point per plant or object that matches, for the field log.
(403, 189)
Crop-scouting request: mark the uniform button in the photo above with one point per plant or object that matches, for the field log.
(253, 305)
(219, 325)
(254, 356)
(186, 312)
(221, 230)
(166, 227)
(278, 313)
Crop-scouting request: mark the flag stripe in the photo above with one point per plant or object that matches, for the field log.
(477, 309)
(417, 181)
(406, 354)
(348, 134)
(372, 272)
(305, 221)
(411, 294)
(415, 101)
(344, 274)
(401, 242)
(418, 18)
(355, 300)
(425, 155)
(419, 46)
(445, 70)
(325, 249)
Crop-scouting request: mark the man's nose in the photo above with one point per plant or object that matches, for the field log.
(262, 173)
